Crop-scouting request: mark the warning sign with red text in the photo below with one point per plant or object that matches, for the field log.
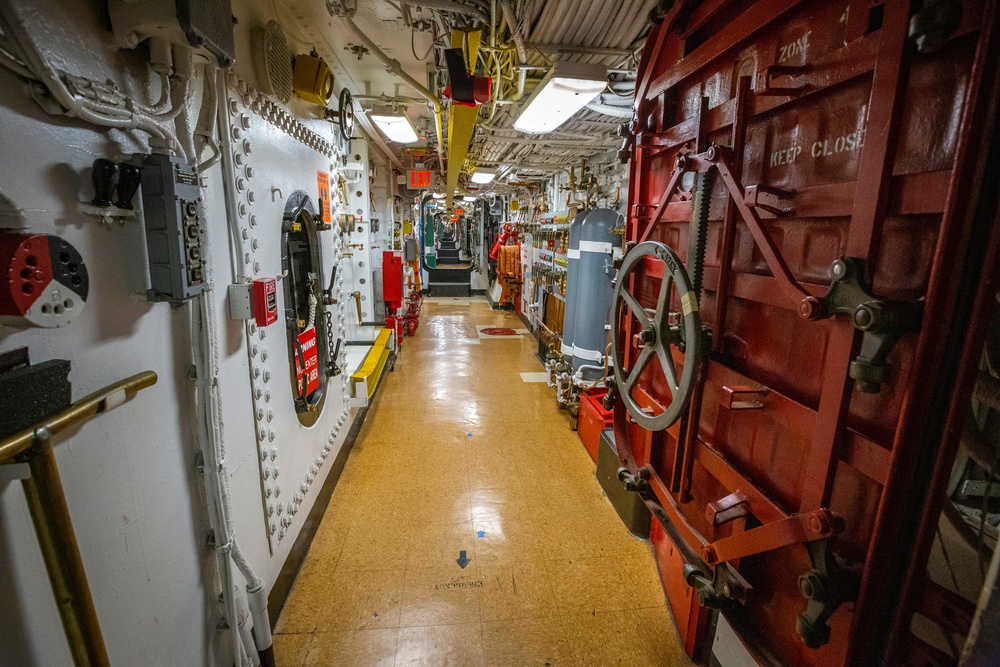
(323, 185)
(307, 362)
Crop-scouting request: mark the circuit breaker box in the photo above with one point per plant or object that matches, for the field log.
(175, 231)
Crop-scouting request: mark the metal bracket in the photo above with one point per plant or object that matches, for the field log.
(742, 398)
(826, 586)
(725, 589)
(732, 507)
(11, 471)
(612, 395)
(806, 528)
(882, 321)
(637, 483)
(766, 198)
(627, 133)
(765, 87)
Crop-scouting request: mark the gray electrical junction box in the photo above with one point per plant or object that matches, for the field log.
(175, 233)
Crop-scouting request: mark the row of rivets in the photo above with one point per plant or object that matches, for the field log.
(259, 372)
(267, 109)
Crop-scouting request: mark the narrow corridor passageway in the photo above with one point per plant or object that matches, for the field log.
(468, 528)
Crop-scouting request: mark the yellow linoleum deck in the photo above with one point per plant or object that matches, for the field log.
(459, 454)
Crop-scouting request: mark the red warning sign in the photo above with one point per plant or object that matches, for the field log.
(307, 363)
(323, 185)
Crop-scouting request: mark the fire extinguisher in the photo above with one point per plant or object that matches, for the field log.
(501, 241)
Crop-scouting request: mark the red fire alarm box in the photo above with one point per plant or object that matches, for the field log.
(306, 363)
(392, 278)
(265, 301)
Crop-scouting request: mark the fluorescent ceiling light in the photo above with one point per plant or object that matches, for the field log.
(484, 175)
(468, 199)
(396, 126)
(438, 195)
(567, 88)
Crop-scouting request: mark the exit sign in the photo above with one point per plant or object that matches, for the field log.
(420, 178)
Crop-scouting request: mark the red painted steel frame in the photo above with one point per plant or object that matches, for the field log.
(876, 145)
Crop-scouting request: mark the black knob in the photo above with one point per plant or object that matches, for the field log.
(129, 177)
(105, 174)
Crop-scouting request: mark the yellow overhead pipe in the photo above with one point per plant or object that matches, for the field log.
(461, 119)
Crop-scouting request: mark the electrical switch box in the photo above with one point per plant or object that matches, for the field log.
(410, 250)
(175, 230)
(392, 278)
(265, 301)
(257, 301)
(240, 302)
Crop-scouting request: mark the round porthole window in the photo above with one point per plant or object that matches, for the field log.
(305, 317)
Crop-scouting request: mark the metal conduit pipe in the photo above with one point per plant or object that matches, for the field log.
(393, 67)
(208, 116)
(208, 429)
(543, 28)
(204, 333)
(454, 6)
(387, 99)
(633, 16)
(228, 174)
(184, 73)
(594, 25)
(610, 110)
(570, 17)
(613, 100)
(420, 227)
(522, 52)
(87, 110)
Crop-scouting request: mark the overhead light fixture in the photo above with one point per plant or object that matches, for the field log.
(395, 126)
(483, 175)
(438, 195)
(468, 199)
(567, 88)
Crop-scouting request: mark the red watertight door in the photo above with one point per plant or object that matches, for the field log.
(797, 205)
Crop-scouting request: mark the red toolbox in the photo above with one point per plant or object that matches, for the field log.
(592, 419)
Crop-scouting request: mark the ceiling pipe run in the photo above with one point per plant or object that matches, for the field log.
(393, 67)
(453, 6)
(522, 52)
(608, 110)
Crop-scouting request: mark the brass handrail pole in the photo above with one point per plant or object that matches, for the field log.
(82, 410)
(50, 514)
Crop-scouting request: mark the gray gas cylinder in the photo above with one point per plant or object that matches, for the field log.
(597, 248)
(572, 278)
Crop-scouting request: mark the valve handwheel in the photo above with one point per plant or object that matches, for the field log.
(346, 114)
(659, 333)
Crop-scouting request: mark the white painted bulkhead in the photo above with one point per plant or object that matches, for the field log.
(134, 491)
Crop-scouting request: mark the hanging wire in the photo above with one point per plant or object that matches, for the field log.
(413, 46)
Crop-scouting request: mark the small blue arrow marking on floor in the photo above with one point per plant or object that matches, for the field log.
(469, 434)
(462, 560)
(480, 533)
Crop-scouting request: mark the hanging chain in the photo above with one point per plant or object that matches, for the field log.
(331, 368)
